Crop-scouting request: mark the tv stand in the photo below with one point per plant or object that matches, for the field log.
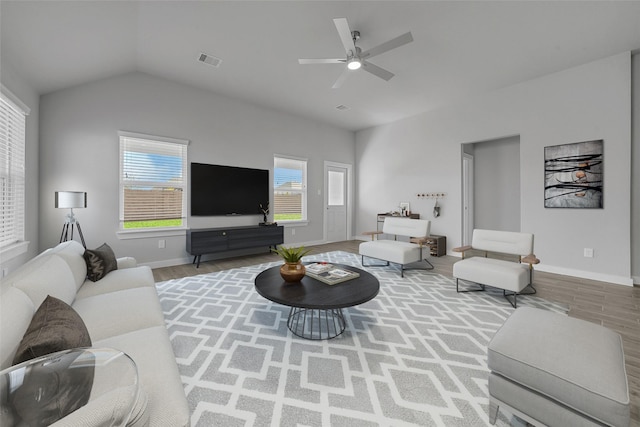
(218, 240)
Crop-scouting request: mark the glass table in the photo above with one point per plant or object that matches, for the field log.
(71, 387)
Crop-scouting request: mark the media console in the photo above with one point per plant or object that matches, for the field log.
(214, 240)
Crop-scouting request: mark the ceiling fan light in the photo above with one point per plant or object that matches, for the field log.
(354, 64)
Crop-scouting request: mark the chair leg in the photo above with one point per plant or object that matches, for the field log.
(493, 411)
(482, 288)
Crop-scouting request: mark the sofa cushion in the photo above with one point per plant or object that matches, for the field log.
(391, 250)
(71, 251)
(55, 327)
(120, 312)
(16, 312)
(151, 350)
(509, 275)
(571, 361)
(118, 280)
(100, 261)
(49, 276)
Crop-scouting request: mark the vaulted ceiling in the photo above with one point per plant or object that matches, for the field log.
(460, 48)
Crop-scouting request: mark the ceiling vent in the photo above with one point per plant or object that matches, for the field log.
(210, 60)
(342, 107)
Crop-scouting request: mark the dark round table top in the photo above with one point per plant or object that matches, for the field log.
(312, 293)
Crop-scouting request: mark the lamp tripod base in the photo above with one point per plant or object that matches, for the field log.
(67, 232)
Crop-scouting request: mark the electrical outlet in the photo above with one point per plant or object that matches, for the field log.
(588, 252)
(293, 231)
(162, 243)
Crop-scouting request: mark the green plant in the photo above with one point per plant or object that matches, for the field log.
(292, 254)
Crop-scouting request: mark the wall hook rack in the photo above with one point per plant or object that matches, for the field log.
(431, 195)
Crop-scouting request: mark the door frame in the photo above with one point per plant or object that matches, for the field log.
(349, 198)
(468, 192)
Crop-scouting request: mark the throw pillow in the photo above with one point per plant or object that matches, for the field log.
(55, 326)
(100, 261)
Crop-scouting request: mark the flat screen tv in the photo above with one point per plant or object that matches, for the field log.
(228, 190)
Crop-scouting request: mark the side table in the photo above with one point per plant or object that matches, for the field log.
(69, 388)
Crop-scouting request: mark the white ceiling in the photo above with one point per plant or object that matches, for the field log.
(460, 48)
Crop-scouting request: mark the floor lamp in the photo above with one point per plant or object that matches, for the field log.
(70, 200)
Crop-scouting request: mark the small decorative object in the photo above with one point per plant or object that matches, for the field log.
(292, 270)
(436, 210)
(574, 175)
(265, 212)
(404, 209)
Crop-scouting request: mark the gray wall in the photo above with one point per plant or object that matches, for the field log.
(422, 153)
(497, 184)
(79, 149)
(13, 81)
(635, 171)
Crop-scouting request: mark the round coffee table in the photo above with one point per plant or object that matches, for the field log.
(316, 308)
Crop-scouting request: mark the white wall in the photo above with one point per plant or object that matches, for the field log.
(79, 148)
(589, 102)
(19, 87)
(496, 167)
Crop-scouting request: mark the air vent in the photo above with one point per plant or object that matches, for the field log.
(342, 107)
(210, 60)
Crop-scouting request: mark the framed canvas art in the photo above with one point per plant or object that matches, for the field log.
(573, 175)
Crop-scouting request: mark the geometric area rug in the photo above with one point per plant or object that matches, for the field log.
(415, 355)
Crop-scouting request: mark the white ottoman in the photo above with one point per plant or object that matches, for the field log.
(558, 371)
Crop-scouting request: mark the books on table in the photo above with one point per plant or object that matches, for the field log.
(329, 273)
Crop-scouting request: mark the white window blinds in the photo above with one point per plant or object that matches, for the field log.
(12, 169)
(153, 182)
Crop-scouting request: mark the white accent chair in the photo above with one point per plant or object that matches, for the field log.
(499, 273)
(396, 251)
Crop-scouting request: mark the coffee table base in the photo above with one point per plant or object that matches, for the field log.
(316, 324)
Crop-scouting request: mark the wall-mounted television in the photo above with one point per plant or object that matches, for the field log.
(228, 190)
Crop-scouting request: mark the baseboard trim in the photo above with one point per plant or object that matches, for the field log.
(618, 280)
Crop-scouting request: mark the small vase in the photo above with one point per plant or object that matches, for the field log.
(292, 271)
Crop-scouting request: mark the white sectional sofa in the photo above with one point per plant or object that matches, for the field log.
(121, 311)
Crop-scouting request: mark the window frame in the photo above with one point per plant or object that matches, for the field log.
(303, 191)
(15, 243)
(132, 233)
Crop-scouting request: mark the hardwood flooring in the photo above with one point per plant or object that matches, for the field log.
(614, 306)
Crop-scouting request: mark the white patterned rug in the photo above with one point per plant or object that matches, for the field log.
(415, 355)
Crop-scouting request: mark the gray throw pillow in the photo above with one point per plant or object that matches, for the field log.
(55, 326)
(100, 261)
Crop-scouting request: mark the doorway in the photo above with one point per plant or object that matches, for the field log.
(337, 218)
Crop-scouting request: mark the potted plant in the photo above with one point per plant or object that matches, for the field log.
(292, 270)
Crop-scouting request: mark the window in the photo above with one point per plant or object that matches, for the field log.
(289, 189)
(12, 171)
(153, 182)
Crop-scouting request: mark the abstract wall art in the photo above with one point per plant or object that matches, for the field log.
(573, 175)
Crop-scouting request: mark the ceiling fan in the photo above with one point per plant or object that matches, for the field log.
(356, 58)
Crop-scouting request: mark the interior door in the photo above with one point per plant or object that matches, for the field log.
(337, 203)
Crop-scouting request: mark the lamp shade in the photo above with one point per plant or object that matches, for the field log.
(71, 199)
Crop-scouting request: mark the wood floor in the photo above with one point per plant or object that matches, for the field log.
(614, 306)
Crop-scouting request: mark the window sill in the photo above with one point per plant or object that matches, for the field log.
(151, 233)
(13, 250)
(293, 223)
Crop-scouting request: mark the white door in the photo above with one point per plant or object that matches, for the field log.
(336, 189)
(467, 199)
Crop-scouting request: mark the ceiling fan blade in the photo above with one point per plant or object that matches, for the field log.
(387, 46)
(345, 35)
(377, 71)
(321, 61)
(342, 78)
